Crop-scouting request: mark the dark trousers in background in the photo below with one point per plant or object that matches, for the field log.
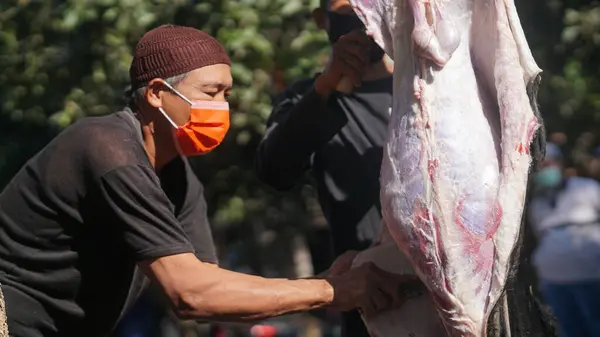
(576, 307)
(352, 325)
(143, 320)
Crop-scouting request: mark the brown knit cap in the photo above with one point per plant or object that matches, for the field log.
(171, 50)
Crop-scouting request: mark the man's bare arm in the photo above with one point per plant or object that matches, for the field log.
(204, 291)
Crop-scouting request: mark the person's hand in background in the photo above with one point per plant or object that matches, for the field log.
(342, 264)
(349, 59)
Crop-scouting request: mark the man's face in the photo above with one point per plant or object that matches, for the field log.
(339, 19)
(210, 83)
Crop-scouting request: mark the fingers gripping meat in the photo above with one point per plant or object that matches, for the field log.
(456, 163)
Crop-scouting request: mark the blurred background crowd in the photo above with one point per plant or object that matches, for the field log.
(64, 60)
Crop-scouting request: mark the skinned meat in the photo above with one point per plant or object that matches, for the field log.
(456, 163)
(417, 317)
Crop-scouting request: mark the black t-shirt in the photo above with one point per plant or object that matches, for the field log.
(79, 215)
(341, 140)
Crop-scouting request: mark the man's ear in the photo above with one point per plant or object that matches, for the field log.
(154, 92)
(319, 16)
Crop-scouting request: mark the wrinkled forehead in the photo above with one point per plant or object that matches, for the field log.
(217, 76)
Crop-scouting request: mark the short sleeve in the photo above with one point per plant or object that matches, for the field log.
(142, 213)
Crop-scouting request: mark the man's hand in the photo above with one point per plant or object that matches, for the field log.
(372, 290)
(342, 264)
(350, 58)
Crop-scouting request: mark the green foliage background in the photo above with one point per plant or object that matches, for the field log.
(64, 60)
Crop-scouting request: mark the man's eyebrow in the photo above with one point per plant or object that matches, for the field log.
(216, 85)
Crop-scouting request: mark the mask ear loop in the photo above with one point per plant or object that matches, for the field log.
(162, 111)
(180, 96)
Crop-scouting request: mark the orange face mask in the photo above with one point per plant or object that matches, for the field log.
(206, 128)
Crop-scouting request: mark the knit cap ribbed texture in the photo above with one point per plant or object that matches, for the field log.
(172, 50)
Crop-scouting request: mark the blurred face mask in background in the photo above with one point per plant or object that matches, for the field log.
(548, 177)
(206, 128)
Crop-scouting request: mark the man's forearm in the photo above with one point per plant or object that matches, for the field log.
(205, 292)
(244, 300)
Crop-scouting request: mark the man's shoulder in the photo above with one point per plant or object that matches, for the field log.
(105, 142)
(113, 122)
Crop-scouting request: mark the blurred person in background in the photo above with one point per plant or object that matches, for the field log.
(338, 134)
(558, 138)
(111, 204)
(565, 215)
(594, 164)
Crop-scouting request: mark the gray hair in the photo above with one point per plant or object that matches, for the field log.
(135, 96)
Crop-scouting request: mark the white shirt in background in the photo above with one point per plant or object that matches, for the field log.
(568, 254)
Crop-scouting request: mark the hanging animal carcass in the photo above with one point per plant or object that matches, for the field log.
(457, 160)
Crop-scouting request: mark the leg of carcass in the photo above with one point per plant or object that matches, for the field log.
(434, 38)
(384, 236)
(527, 317)
(417, 316)
(526, 314)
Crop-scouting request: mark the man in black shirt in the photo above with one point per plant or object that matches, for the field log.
(112, 200)
(338, 135)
